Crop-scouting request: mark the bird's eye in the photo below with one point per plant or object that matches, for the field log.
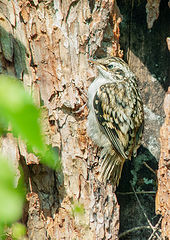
(110, 66)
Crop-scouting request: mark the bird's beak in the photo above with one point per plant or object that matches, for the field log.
(93, 61)
(97, 63)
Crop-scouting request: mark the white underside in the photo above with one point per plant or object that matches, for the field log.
(93, 128)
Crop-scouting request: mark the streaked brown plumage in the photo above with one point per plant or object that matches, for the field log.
(116, 117)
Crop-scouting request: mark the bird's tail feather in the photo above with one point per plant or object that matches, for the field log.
(111, 167)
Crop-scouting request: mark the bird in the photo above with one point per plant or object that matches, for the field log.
(116, 117)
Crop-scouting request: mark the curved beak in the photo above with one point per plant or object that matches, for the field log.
(93, 61)
(99, 65)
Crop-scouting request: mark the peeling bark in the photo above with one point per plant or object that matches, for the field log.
(152, 10)
(46, 44)
(162, 198)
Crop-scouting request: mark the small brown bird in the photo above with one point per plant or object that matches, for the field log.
(116, 118)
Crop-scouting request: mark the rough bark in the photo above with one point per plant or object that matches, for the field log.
(46, 44)
(162, 199)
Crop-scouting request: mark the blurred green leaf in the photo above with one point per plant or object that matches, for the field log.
(11, 200)
(77, 209)
(2, 234)
(18, 110)
(50, 157)
(17, 107)
(3, 126)
(18, 231)
(148, 181)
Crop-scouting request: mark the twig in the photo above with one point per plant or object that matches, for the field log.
(155, 228)
(80, 109)
(30, 184)
(146, 165)
(150, 224)
(133, 230)
(141, 192)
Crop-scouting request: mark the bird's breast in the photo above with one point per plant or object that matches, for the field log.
(95, 85)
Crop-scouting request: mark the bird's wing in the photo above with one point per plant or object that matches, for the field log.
(115, 107)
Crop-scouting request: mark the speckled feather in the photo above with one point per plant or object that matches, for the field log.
(116, 117)
(120, 117)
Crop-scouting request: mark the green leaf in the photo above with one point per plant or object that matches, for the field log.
(17, 107)
(18, 230)
(3, 126)
(78, 209)
(148, 181)
(50, 157)
(11, 200)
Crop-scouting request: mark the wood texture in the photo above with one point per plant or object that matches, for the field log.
(46, 44)
(162, 198)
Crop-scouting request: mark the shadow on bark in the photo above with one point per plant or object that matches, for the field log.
(47, 184)
(140, 176)
(14, 53)
(148, 56)
(147, 44)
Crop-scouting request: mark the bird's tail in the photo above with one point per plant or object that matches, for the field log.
(111, 166)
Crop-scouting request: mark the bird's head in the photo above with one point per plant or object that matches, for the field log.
(113, 68)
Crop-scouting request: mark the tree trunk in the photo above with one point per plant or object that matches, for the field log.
(46, 44)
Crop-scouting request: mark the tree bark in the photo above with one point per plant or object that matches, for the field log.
(162, 198)
(46, 44)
